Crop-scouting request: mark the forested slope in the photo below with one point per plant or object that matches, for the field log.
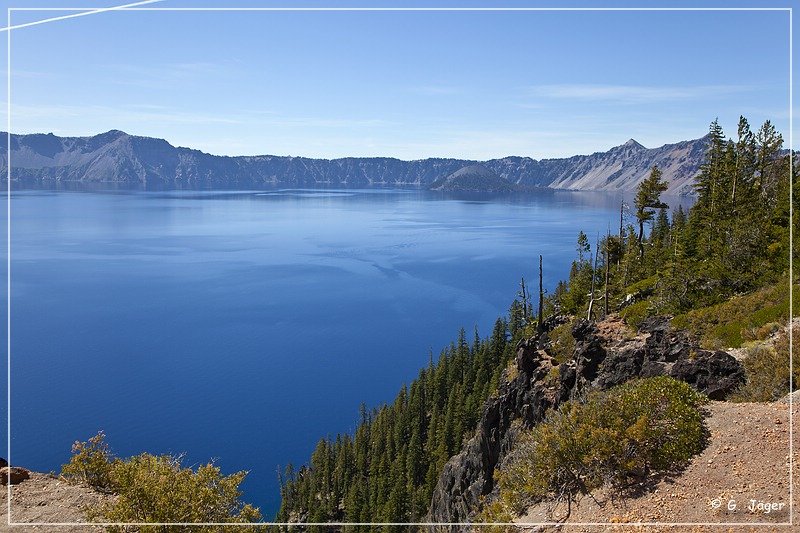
(733, 243)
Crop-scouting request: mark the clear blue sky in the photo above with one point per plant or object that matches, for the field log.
(410, 85)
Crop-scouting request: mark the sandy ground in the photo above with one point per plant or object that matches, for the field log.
(44, 498)
(745, 463)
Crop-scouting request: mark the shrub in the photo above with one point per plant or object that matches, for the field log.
(553, 378)
(496, 512)
(512, 371)
(634, 314)
(614, 438)
(91, 463)
(158, 489)
(763, 332)
(644, 287)
(767, 371)
(562, 343)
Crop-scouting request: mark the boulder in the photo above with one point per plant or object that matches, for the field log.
(13, 475)
(589, 353)
(620, 367)
(665, 344)
(717, 374)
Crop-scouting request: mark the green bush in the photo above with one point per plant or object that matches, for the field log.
(767, 370)
(614, 438)
(643, 287)
(634, 314)
(90, 463)
(764, 332)
(158, 489)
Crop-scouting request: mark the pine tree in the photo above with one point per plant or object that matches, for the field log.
(708, 185)
(582, 247)
(769, 143)
(661, 226)
(745, 166)
(647, 199)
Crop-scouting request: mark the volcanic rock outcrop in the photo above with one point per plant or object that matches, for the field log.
(540, 383)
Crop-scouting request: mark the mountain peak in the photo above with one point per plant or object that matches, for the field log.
(110, 134)
(632, 143)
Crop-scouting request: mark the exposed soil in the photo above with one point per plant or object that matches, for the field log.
(46, 499)
(612, 329)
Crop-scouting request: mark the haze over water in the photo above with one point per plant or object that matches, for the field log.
(245, 325)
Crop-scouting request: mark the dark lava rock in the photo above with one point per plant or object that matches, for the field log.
(716, 374)
(583, 329)
(620, 367)
(654, 323)
(665, 344)
(589, 352)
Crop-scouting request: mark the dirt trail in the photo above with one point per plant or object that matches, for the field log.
(746, 462)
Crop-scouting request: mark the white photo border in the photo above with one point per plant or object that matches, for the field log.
(84, 11)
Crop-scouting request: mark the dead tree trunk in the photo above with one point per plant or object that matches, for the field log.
(621, 236)
(605, 254)
(541, 295)
(594, 269)
(526, 306)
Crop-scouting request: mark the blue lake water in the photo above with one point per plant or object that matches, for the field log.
(245, 325)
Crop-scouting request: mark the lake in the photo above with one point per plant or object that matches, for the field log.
(245, 325)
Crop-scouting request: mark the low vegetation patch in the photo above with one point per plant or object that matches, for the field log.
(738, 320)
(642, 288)
(614, 438)
(158, 489)
(634, 314)
(766, 368)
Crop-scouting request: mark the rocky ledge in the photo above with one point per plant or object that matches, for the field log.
(603, 357)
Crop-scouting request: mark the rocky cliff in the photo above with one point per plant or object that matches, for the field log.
(604, 356)
(130, 160)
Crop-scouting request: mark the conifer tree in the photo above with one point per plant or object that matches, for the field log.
(769, 143)
(648, 198)
(745, 165)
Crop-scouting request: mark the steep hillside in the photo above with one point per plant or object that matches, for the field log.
(622, 167)
(117, 157)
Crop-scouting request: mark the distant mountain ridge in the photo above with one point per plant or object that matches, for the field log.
(117, 157)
